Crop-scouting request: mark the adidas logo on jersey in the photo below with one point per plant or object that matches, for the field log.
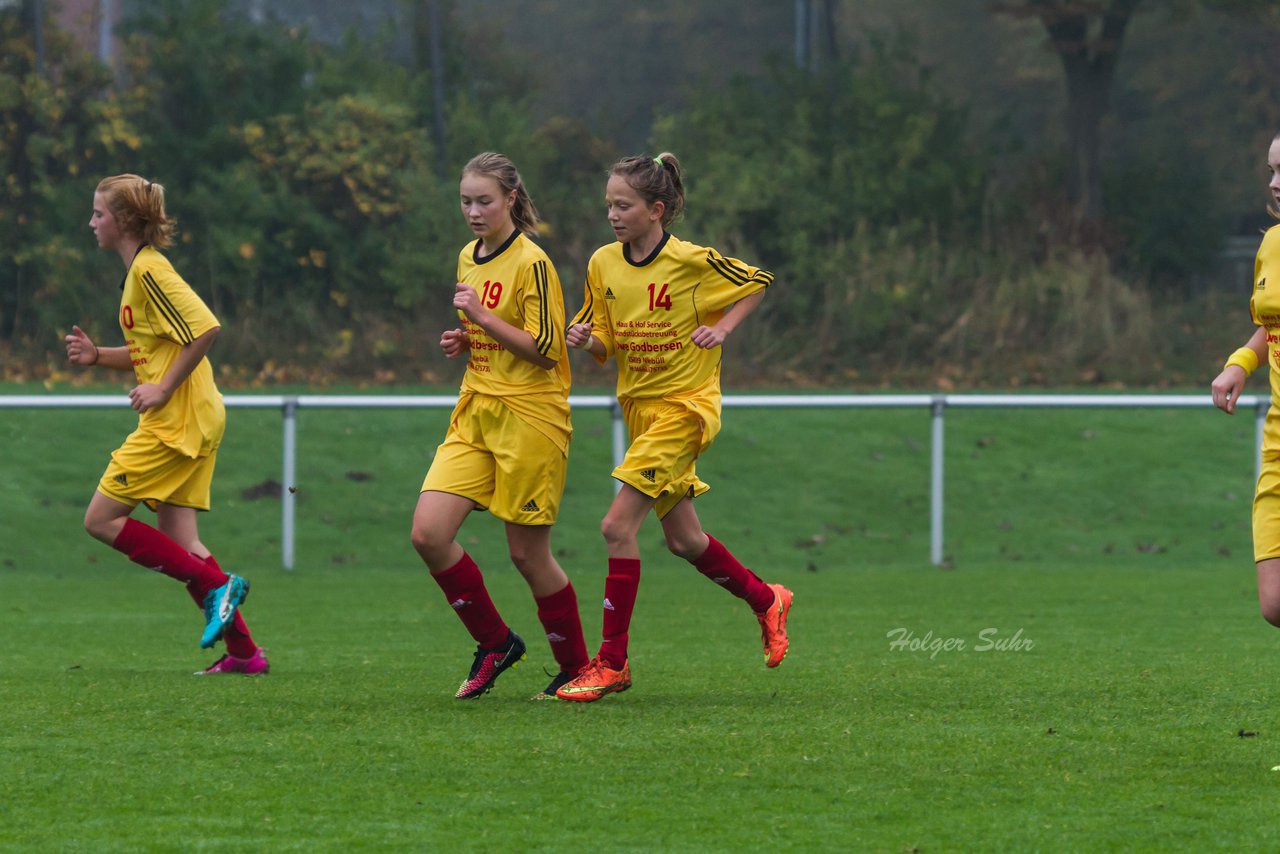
(608, 293)
(121, 479)
(531, 507)
(650, 475)
(1262, 283)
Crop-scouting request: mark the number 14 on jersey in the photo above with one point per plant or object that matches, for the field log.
(658, 297)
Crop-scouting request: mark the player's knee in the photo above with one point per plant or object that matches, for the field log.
(98, 528)
(427, 541)
(1271, 611)
(686, 547)
(616, 531)
(522, 558)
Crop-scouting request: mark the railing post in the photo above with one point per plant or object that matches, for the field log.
(619, 440)
(938, 407)
(289, 480)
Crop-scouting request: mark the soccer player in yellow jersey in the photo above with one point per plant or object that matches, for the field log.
(1263, 346)
(661, 308)
(508, 440)
(168, 461)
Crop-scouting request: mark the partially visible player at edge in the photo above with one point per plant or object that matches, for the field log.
(662, 308)
(1264, 307)
(508, 440)
(168, 461)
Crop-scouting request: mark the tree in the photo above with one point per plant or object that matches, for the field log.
(1087, 36)
(57, 131)
(819, 175)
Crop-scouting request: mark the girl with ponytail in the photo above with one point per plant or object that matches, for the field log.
(507, 446)
(662, 308)
(1261, 349)
(168, 462)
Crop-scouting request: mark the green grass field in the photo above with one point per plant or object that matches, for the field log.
(1125, 706)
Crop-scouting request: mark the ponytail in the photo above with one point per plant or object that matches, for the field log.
(138, 208)
(656, 179)
(500, 168)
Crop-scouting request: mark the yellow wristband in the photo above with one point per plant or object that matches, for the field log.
(1244, 358)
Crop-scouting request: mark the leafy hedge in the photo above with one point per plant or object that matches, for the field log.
(316, 219)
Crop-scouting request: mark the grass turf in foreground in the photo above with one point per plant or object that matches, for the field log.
(1117, 728)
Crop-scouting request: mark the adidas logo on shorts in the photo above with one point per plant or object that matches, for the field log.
(650, 475)
(121, 479)
(531, 507)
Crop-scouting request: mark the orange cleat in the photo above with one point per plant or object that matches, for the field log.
(773, 626)
(596, 680)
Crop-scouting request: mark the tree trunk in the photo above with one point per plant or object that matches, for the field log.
(1089, 63)
(429, 54)
(437, 87)
(827, 33)
(1087, 103)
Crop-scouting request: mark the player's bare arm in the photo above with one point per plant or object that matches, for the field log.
(517, 341)
(82, 351)
(1229, 384)
(154, 395)
(708, 337)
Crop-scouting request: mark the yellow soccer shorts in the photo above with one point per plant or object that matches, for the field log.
(1266, 508)
(666, 439)
(146, 470)
(501, 463)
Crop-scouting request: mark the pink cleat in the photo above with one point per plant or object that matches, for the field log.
(255, 665)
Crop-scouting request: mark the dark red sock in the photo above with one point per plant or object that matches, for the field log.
(723, 568)
(620, 588)
(464, 589)
(146, 546)
(236, 635)
(558, 614)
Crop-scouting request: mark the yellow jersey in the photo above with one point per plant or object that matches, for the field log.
(159, 315)
(1264, 307)
(645, 313)
(520, 286)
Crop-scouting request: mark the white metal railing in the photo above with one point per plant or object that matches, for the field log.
(937, 404)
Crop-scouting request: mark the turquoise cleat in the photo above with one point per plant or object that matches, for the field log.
(220, 608)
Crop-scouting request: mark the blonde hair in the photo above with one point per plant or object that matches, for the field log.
(138, 207)
(499, 167)
(656, 179)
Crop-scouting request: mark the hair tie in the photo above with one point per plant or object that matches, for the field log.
(658, 160)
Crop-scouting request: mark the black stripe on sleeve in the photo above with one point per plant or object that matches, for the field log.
(727, 270)
(735, 273)
(544, 339)
(166, 307)
(585, 313)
